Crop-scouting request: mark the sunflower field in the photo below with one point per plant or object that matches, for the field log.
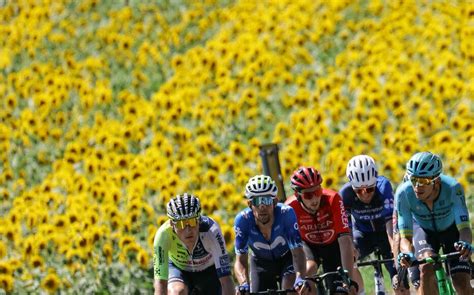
(110, 108)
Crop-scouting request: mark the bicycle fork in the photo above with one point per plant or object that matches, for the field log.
(378, 280)
(444, 287)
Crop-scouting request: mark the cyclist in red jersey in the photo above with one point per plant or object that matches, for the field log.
(322, 223)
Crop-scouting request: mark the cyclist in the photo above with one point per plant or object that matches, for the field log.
(322, 224)
(368, 201)
(189, 252)
(270, 230)
(436, 202)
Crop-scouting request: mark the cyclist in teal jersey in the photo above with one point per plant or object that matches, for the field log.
(436, 202)
(190, 255)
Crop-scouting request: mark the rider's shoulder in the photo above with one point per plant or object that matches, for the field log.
(205, 223)
(382, 181)
(448, 180)
(245, 214)
(283, 208)
(346, 190)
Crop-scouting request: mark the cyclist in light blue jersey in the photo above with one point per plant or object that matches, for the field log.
(271, 232)
(436, 202)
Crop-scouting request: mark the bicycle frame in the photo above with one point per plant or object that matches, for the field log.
(320, 279)
(378, 272)
(274, 292)
(445, 285)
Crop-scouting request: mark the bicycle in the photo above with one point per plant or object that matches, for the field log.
(378, 273)
(445, 285)
(274, 292)
(321, 285)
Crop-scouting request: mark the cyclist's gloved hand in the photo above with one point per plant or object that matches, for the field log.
(464, 248)
(243, 288)
(353, 285)
(405, 259)
(300, 284)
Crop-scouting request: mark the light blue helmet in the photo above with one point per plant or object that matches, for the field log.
(424, 164)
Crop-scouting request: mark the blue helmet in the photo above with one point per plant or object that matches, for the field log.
(424, 164)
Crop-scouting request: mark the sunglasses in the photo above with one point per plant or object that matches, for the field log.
(262, 200)
(181, 224)
(314, 192)
(421, 181)
(360, 190)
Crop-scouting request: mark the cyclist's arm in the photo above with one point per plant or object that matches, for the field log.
(160, 259)
(241, 268)
(465, 234)
(389, 229)
(227, 285)
(341, 226)
(387, 213)
(221, 258)
(161, 287)
(294, 241)
(347, 256)
(241, 248)
(299, 262)
(461, 214)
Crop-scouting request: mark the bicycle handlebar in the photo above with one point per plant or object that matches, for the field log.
(274, 292)
(437, 258)
(340, 271)
(373, 262)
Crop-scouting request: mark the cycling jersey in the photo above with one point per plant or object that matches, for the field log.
(284, 235)
(370, 217)
(329, 222)
(450, 207)
(209, 250)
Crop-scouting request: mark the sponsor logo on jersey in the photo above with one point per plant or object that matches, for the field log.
(238, 232)
(224, 261)
(317, 226)
(345, 221)
(320, 237)
(221, 243)
(464, 218)
(388, 204)
(262, 246)
(161, 254)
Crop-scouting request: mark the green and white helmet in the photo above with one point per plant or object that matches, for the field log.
(424, 164)
(260, 185)
(183, 207)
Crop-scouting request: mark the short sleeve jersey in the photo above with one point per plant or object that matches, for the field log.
(370, 217)
(329, 222)
(209, 250)
(450, 207)
(284, 234)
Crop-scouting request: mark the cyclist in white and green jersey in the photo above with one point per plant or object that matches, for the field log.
(190, 255)
(436, 202)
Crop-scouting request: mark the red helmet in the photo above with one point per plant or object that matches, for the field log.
(304, 178)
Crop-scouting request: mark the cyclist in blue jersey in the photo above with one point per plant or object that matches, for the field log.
(368, 201)
(270, 230)
(436, 202)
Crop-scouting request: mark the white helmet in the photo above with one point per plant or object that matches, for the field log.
(361, 171)
(260, 185)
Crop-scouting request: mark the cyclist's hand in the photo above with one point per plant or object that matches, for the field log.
(405, 259)
(464, 248)
(301, 286)
(353, 287)
(242, 289)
